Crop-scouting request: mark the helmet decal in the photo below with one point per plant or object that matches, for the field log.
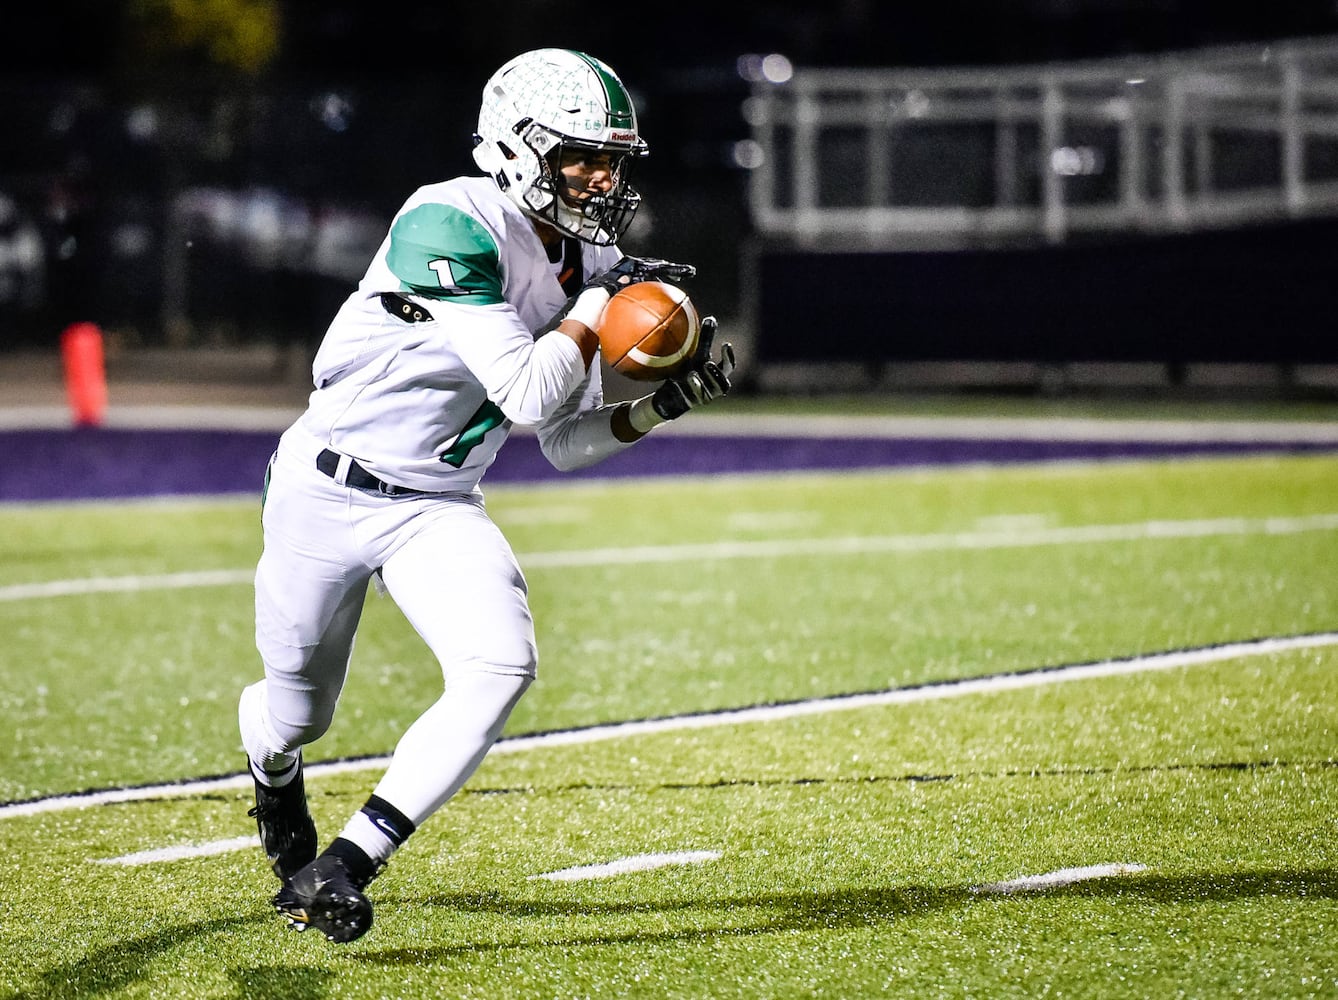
(617, 101)
(546, 101)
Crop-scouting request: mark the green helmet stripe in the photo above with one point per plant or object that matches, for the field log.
(620, 103)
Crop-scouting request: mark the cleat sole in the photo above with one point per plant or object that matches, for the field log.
(340, 919)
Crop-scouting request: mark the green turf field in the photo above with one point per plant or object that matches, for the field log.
(843, 852)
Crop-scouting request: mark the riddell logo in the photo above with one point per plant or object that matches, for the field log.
(622, 137)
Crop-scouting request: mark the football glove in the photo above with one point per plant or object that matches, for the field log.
(630, 270)
(587, 305)
(706, 379)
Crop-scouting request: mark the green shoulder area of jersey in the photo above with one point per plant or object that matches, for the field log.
(442, 252)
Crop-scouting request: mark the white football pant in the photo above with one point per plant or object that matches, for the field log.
(447, 567)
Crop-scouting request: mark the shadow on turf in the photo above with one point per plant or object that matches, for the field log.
(122, 965)
(741, 916)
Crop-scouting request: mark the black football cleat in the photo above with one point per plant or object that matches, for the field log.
(287, 831)
(325, 896)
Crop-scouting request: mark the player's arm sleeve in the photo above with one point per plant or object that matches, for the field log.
(528, 379)
(442, 252)
(579, 432)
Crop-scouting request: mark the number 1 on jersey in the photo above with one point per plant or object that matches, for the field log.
(441, 267)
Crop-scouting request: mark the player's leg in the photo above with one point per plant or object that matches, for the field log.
(450, 739)
(290, 707)
(459, 585)
(309, 595)
(307, 616)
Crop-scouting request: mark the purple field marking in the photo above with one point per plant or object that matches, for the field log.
(106, 463)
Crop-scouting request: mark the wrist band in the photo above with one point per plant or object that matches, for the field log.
(589, 307)
(642, 416)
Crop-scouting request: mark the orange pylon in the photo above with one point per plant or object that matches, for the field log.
(85, 373)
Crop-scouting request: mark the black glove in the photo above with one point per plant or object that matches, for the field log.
(630, 270)
(627, 271)
(704, 381)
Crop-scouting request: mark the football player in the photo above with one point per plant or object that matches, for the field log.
(477, 313)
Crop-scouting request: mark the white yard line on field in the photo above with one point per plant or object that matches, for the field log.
(1005, 536)
(927, 692)
(183, 851)
(625, 866)
(759, 713)
(581, 873)
(123, 584)
(1057, 879)
(1019, 428)
(876, 544)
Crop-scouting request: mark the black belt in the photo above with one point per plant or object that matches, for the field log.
(358, 477)
(401, 308)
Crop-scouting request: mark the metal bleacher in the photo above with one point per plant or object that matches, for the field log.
(1145, 219)
(898, 157)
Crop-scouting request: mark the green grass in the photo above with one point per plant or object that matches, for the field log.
(850, 842)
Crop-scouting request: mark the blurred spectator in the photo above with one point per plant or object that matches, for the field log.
(22, 268)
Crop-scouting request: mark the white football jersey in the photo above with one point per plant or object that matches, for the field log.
(427, 405)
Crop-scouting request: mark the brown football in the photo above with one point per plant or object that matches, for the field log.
(649, 331)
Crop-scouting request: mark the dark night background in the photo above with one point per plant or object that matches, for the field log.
(341, 39)
(358, 103)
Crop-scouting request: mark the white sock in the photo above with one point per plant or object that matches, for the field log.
(275, 773)
(370, 837)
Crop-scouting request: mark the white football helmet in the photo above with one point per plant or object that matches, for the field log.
(542, 102)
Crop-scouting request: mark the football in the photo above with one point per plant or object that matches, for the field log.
(649, 331)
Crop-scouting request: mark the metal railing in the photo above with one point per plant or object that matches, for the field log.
(889, 157)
